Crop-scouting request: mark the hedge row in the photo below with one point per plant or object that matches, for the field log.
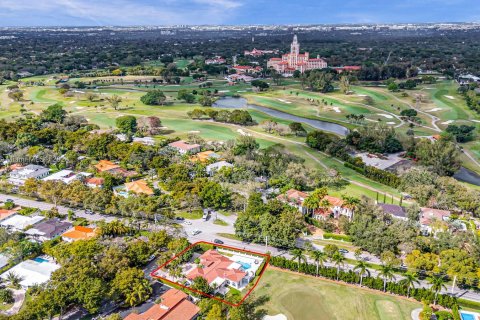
(334, 236)
(419, 294)
(382, 176)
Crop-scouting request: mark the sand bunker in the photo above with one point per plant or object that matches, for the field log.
(284, 101)
(385, 115)
(243, 133)
(447, 122)
(337, 109)
(390, 122)
(434, 109)
(449, 97)
(276, 317)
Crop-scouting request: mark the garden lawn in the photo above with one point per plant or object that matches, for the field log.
(300, 297)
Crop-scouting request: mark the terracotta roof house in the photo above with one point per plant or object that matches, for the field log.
(204, 156)
(48, 230)
(294, 198)
(185, 148)
(94, 182)
(220, 270)
(79, 233)
(106, 166)
(428, 217)
(174, 306)
(396, 211)
(137, 187)
(5, 213)
(110, 167)
(336, 209)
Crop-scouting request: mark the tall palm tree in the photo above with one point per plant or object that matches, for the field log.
(438, 283)
(297, 254)
(339, 260)
(361, 266)
(386, 272)
(350, 203)
(410, 280)
(319, 257)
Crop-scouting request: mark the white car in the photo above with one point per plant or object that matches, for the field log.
(195, 232)
(188, 223)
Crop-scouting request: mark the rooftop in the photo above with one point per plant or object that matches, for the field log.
(106, 165)
(35, 271)
(80, 233)
(20, 222)
(139, 186)
(183, 145)
(393, 209)
(174, 306)
(66, 176)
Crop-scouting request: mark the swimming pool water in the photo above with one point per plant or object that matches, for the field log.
(467, 316)
(40, 260)
(245, 266)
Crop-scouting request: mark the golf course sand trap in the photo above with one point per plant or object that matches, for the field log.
(447, 122)
(361, 95)
(243, 133)
(337, 109)
(194, 131)
(449, 97)
(72, 102)
(284, 101)
(276, 317)
(477, 121)
(434, 109)
(385, 115)
(390, 122)
(223, 91)
(79, 108)
(371, 120)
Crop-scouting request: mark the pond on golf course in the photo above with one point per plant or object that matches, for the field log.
(241, 103)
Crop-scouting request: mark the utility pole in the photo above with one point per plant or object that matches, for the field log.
(266, 243)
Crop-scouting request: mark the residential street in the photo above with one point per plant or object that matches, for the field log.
(210, 231)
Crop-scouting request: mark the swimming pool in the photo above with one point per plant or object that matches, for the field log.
(467, 316)
(40, 260)
(245, 266)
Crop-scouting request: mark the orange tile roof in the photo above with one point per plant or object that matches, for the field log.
(106, 165)
(95, 181)
(334, 201)
(215, 266)
(293, 195)
(183, 145)
(174, 306)
(202, 156)
(80, 233)
(139, 186)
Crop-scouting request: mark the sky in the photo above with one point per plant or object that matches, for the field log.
(244, 12)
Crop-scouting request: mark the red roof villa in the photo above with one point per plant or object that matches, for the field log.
(220, 270)
(185, 148)
(294, 198)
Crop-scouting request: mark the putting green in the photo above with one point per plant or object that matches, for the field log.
(301, 297)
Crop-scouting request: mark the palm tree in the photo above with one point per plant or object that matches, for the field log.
(339, 260)
(139, 293)
(438, 283)
(14, 279)
(297, 254)
(410, 280)
(361, 266)
(319, 257)
(350, 203)
(386, 272)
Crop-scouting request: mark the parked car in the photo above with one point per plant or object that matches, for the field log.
(179, 218)
(88, 211)
(188, 223)
(218, 241)
(9, 200)
(195, 232)
(343, 251)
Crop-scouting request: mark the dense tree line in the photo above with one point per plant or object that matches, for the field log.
(241, 117)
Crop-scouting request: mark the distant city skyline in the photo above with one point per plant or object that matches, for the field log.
(236, 12)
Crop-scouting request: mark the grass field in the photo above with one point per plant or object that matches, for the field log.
(300, 297)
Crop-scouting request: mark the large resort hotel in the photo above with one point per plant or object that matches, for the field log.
(290, 62)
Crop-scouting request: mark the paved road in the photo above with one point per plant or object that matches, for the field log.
(210, 231)
(61, 209)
